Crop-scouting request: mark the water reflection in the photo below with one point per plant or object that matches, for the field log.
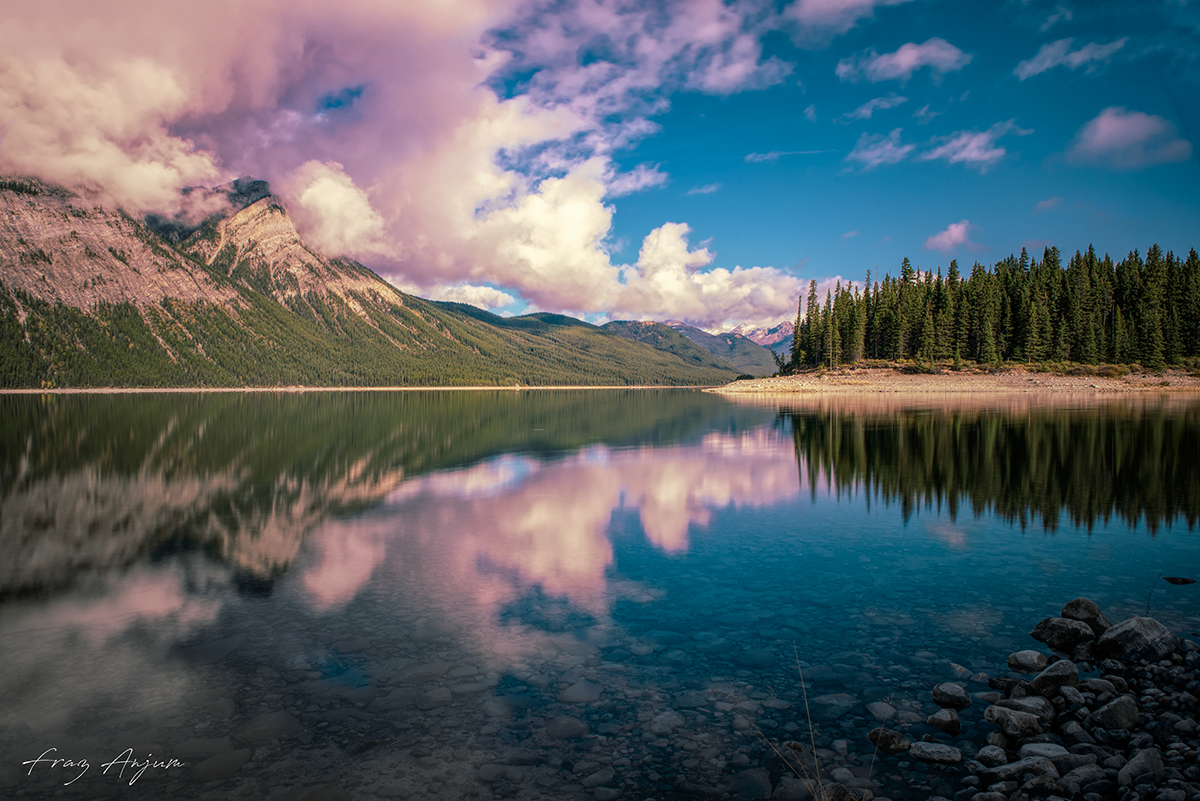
(423, 583)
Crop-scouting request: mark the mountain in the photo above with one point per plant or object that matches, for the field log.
(663, 337)
(745, 355)
(777, 338)
(93, 297)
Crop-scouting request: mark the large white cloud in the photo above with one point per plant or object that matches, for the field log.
(1128, 140)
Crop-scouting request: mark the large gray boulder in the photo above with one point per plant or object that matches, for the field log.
(1137, 638)
(951, 695)
(1147, 761)
(1121, 713)
(1062, 635)
(1012, 722)
(1062, 673)
(1087, 611)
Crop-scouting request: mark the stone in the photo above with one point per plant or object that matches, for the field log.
(1098, 686)
(607, 793)
(755, 658)
(1121, 713)
(202, 747)
(832, 706)
(434, 698)
(325, 792)
(563, 727)
(1062, 635)
(666, 722)
(1083, 775)
(1035, 705)
(399, 698)
(791, 788)
(1148, 760)
(888, 741)
(881, 711)
(581, 692)
(420, 673)
(209, 652)
(1012, 722)
(1064, 672)
(1087, 611)
(602, 776)
(269, 726)
(1027, 662)
(1015, 771)
(935, 752)
(753, 783)
(491, 772)
(1050, 751)
(946, 720)
(991, 756)
(221, 766)
(666, 637)
(1137, 638)
(951, 695)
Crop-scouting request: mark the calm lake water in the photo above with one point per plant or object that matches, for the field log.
(558, 595)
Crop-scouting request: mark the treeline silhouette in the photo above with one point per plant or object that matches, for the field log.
(1135, 311)
(1122, 460)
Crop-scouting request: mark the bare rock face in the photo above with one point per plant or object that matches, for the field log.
(1137, 638)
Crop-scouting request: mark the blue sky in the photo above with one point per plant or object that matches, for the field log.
(698, 160)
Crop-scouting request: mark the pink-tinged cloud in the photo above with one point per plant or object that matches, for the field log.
(974, 148)
(954, 237)
(706, 189)
(874, 150)
(1128, 140)
(1061, 14)
(1059, 53)
(1047, 204)
(866, 110)
(817, 20)
(937, 54)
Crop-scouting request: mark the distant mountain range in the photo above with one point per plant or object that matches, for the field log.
(778, 339)
(94, 297)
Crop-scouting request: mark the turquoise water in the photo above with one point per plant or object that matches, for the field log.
(535, 595)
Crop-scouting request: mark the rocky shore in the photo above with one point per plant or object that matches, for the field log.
(1109, 713)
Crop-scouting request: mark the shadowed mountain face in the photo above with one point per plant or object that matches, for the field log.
(744, 354)
(92, 297)
(665, 338)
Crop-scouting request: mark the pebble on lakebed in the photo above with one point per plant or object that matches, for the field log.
(1110, 714)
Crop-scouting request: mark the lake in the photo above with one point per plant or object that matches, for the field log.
(550, 594)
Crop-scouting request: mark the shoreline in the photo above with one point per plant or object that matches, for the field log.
(304, 389)
(859, 381)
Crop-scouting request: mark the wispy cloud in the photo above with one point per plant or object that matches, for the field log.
(874, 150)
(1061, 14)
(707, 189)
(924, 115)
(849, 234)
(820, 19)
(810, 113)
(974, 148)
(937, 54)
(864, 112)
(1128, 140)
(1059, 53)
(953, 237)
(1047, 204)
(752, 158)
(644, 176)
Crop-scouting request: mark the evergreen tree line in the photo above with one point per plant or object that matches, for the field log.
(1137, 311)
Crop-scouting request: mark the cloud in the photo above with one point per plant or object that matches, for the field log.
(463, 144)
(707, 189)
(810, 113)
(1059, 53)
(1047, 204)
(820, 19)
(924, 115)
(753, 158)
(873, 150)
(955, 236)
(484, 297)
(864, 112)
(974, 148)
(849, 234)
(937, 54)
(1128, 140)
(1061, 14)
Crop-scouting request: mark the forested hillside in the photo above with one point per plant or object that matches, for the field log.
(1136, 311)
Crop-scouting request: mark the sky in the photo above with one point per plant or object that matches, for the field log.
(625, 159)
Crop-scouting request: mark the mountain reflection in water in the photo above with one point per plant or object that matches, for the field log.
(173, 565)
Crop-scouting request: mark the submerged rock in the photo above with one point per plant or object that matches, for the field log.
(269, 726)
(935, 752)
(946, 720)
(1012, 722)
(888, 741)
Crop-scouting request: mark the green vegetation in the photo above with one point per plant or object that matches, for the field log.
(1143, 311)
(745, 355)
(663, 337)
(1140, 461)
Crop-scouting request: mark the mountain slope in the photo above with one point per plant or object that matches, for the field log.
(776, 338)
(665, 338)
(737, 350)
(92, 297)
